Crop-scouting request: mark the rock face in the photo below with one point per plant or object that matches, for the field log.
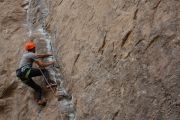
(120, 58)
(12, 35)
(16, 99)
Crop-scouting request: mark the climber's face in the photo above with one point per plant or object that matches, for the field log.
(34, 50)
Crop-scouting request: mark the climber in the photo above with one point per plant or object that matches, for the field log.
(26, 71)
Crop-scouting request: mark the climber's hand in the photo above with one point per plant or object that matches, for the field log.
(50, 54)
(52, 62)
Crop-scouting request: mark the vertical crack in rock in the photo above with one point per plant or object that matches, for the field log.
(135, 14)
(101, 49)
(125, 38)
(92, 16)
(157, 5)
(138, 42)
(75, 61)
(76, 58)
(152, 41)
(60, 2)
(37, 13)
(115, 115)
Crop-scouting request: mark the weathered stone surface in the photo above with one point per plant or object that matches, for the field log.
(16, 99)
(120, 58)
(12, 36)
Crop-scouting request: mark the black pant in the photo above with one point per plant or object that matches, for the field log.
(29, 81)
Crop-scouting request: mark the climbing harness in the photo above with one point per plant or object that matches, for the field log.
(23, 72)
(27, 73)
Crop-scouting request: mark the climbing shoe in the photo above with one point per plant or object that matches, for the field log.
(42, 102)
(51, 85)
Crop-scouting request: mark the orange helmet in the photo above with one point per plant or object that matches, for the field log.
(30, 45)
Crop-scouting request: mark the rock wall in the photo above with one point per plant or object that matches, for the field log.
(16, 99)
(120, 57)
(12, 36)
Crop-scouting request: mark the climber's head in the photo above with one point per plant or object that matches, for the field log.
(30, 46)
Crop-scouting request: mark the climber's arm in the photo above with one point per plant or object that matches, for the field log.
(43, 55)
(43, 64)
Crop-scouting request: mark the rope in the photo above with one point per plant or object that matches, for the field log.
(52, 91)
(43, 19)
(47, 82)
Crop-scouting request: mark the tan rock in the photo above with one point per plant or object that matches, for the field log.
(127, 57)
(119, 59)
